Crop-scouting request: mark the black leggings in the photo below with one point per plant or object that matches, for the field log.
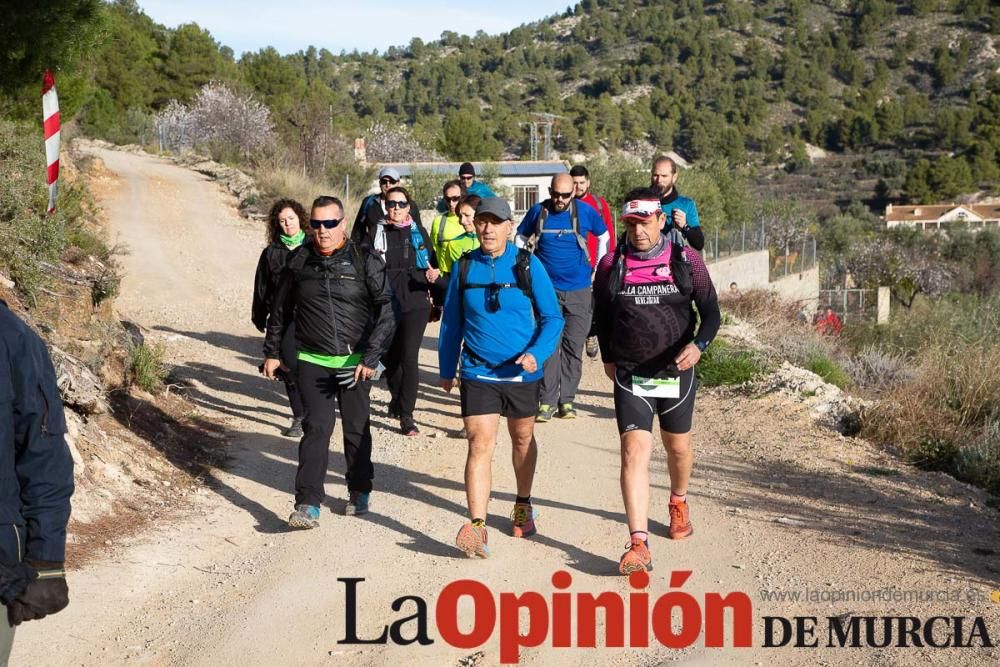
(290, 358)
(401, 367)
(319, 391)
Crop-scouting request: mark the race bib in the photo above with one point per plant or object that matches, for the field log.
(656, 387)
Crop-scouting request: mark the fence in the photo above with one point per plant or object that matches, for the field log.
(796, 258)
(733, 241)
(850, 304)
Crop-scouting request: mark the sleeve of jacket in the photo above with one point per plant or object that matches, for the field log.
(360, 229)
(695, 237)
(381, 332)
(705, 298)
(261, 305)
(282, 306)
(550, 324)
(452, 328)
(603, 307)
(43, 463)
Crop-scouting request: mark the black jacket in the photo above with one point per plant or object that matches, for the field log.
(36, 470)
(265, 282)
(369, 215)
(409, 284)
(340, 304)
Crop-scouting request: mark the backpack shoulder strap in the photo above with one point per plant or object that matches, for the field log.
(463, 269)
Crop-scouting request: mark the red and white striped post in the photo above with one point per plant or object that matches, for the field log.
(50, 116)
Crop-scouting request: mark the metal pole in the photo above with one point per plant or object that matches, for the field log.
(347, 186)
(716, 244)
(743, 243)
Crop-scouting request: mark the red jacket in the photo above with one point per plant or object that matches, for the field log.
(601, 206)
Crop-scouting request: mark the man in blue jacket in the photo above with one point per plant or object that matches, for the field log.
(556, 230)
(682, 223)
(36, 481)
(502, 305)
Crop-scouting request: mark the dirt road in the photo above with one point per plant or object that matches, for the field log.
(779, 504)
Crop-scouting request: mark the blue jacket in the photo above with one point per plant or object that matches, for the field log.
(36, 470)
(564, 259)
(686, 204)
(494, 340)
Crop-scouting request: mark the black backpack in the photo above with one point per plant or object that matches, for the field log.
(680, 268)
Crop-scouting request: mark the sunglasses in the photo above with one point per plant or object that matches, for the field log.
(466, 177)
(388, 181)
(451, 199)
(329, 224)
(561, 195)
(392, 203)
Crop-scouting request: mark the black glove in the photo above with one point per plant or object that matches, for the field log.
(14, 578)
(45, 595)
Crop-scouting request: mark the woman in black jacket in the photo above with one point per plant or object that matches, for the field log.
(284, 234)
(411, 270)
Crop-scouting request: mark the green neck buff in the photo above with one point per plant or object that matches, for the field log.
(293, 241)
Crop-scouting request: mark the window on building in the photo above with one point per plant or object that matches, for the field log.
(525, 196)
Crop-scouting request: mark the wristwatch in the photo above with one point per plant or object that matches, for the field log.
(700, 344)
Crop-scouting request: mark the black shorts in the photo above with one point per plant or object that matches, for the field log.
(635, 413)
(510, 399)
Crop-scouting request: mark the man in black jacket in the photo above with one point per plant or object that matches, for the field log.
(343, 322)
(36, 481)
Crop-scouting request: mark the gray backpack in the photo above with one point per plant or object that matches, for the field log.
(575, 229)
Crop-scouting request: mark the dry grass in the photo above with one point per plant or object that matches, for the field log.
(948, 416)
(275, 182)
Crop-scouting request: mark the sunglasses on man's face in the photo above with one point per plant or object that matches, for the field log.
(452, 199)
(329, 224)
(392, 203)
(388, 181)
(466, 177)
(561, 195)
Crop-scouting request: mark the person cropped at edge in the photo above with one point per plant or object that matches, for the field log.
(681, 211)
(650, 342)
(563, 252)
(412, 273)
(36, 481)
(501, 321)
(581, 188)
(451, 235)
(285, 234)
(341, 301)
(371, 213)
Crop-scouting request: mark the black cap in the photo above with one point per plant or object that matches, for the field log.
(466, 168)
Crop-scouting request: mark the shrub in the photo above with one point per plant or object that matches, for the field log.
(828, 369)
(722, 364)
(877, 369)
(144, 367)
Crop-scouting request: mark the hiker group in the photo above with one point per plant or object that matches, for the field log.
(519, 304)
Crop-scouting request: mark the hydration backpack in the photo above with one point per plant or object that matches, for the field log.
(680, 268)
(522, 274)
(574, 229)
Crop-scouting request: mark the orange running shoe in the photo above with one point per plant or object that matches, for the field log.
(680, 520)
(636, 558)
(522, 519)
(472, 540)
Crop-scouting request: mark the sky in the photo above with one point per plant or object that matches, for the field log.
(293, 25)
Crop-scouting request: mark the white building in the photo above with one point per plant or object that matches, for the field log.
(936, 217)
(527, 182)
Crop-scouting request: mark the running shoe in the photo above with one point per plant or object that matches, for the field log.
(635, 558)
(304, 516)
(593, 349)
(522, 520)
(472, 541)
(567, 411)
(294, 429)
(357, 503)
(545, 413)
(680, 520)
(408, 427)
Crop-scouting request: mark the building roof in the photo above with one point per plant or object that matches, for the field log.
(506, 168)
(933, 212)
